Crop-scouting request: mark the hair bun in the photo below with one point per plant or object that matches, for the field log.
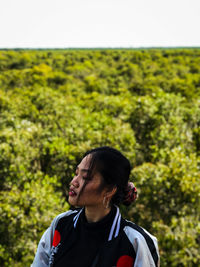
(131, 194)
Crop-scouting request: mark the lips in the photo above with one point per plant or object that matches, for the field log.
(72, 193)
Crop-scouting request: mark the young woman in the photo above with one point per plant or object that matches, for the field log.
(96, 235)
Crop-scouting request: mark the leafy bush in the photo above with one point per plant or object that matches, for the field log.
(57, 104)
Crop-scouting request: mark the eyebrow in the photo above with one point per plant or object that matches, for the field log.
(82, 170)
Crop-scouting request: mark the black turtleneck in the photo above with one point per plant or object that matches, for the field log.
(86, 241)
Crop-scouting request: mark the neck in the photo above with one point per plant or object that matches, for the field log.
(94, 214)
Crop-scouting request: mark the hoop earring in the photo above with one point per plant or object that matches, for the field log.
(106, 203)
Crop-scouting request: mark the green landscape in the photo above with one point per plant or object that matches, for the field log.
(57, 104)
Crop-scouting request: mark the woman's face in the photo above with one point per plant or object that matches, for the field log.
(84, 191)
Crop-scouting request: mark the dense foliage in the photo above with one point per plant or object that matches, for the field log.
(55, 105)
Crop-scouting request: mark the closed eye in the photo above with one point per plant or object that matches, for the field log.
(87, 178)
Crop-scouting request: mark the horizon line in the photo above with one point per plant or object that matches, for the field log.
(100, 48)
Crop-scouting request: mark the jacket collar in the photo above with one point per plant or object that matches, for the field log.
(114, 231)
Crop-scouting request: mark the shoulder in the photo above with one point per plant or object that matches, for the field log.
(136, 231)
(142, 241)
(64, 217)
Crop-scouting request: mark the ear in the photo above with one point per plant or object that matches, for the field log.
(110, 192)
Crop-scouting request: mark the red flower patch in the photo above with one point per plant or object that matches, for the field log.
(56, 238)
(125, 261)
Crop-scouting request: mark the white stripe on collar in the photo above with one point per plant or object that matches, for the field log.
(114, 224)
(76, 217)
(118, 226)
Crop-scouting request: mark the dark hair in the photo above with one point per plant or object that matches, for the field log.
(115, 169)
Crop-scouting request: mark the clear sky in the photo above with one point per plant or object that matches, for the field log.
(99, 23)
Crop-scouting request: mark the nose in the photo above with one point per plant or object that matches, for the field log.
(75, 182)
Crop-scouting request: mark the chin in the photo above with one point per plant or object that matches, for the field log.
(71, 201)
(74, 202)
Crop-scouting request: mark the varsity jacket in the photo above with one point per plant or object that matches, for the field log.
(126, 245)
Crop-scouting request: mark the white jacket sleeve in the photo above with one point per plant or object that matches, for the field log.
(144, 257)
(44, 247)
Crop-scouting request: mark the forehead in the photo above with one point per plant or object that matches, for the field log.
(85, 163)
